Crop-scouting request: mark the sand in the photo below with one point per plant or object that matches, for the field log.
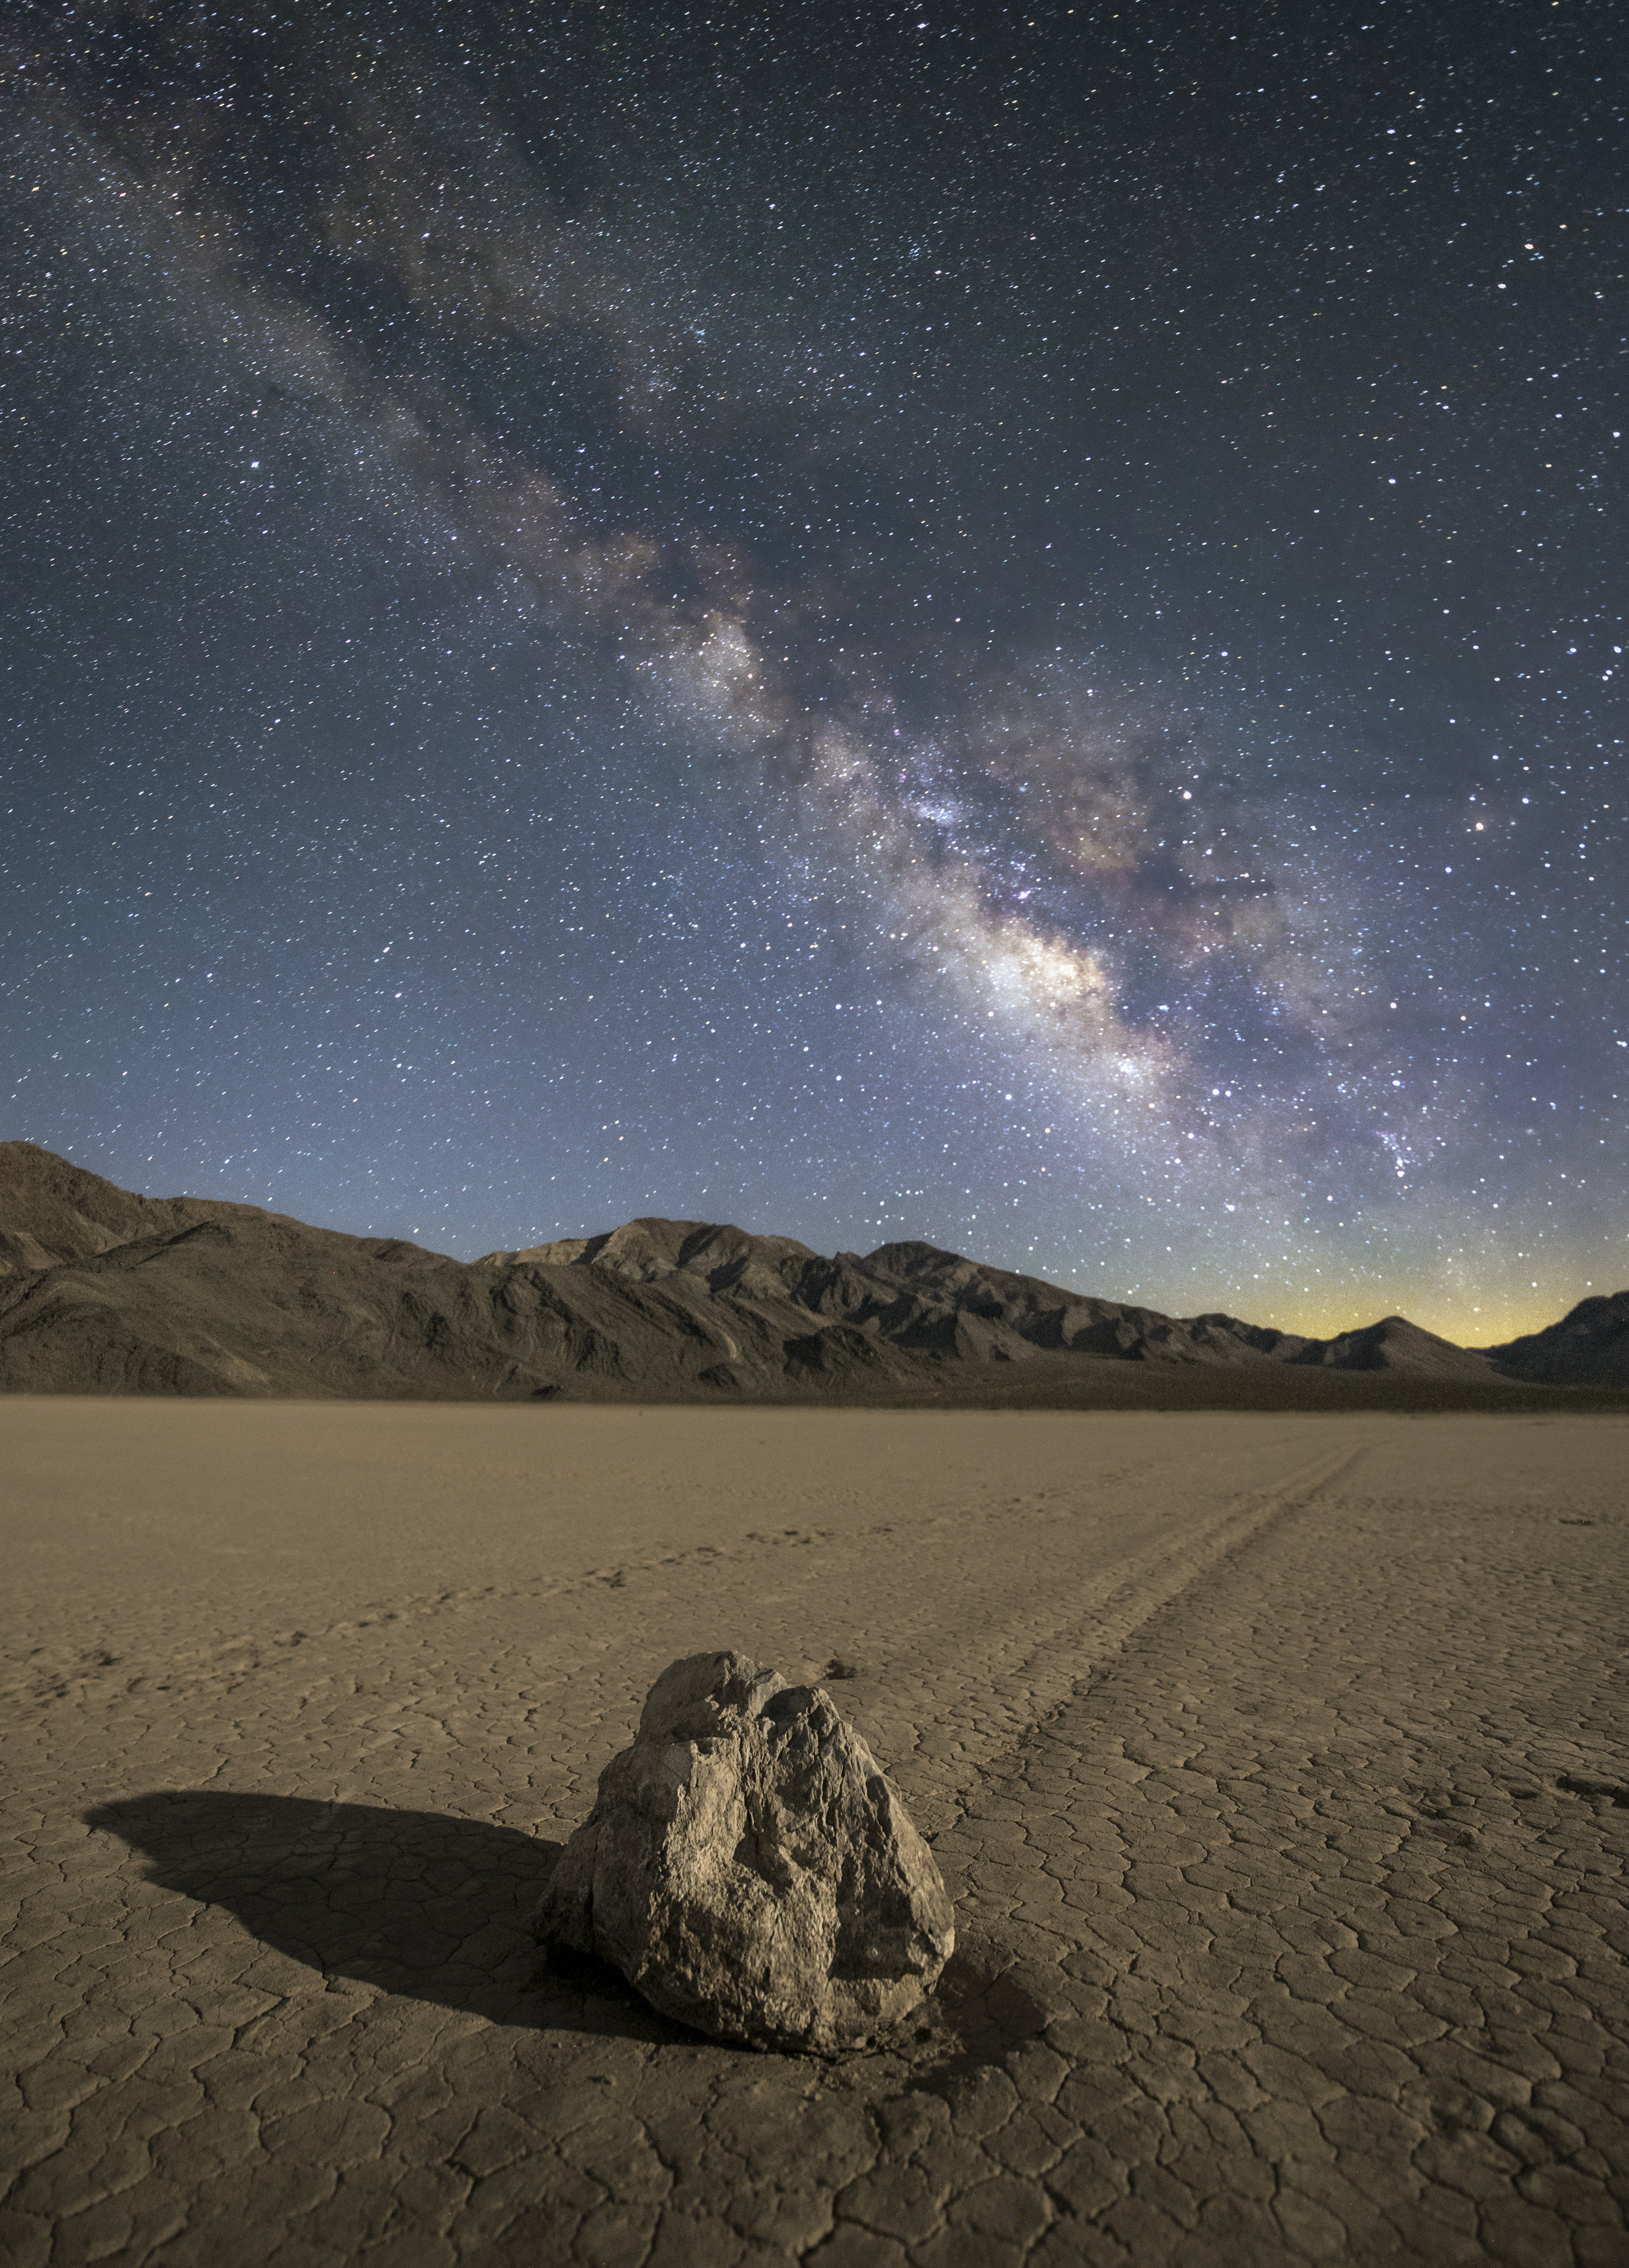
(1279, 1766)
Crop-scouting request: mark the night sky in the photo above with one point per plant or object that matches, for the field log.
(949, 622)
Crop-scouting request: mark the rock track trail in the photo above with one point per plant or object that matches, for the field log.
(1280, 1768)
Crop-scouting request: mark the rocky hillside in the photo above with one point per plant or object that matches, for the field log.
(1590, 1347)
(102, 1291)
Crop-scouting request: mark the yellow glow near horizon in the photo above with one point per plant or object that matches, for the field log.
(1322, 1315)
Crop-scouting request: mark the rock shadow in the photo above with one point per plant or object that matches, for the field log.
(438, 1909)
(989, 2002)
(415, 1903)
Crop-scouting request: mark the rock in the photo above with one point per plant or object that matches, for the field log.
(750, 1870)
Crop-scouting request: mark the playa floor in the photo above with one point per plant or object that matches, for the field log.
(1278, 1767)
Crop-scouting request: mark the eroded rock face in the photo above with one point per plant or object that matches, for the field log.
(750, 1870)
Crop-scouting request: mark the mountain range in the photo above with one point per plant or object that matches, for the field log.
(103, 1292)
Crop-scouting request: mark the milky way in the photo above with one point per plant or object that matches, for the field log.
(992, 626)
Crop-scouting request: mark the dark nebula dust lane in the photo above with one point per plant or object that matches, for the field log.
(995, 626)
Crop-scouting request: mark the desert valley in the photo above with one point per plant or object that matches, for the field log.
(1276, 1758)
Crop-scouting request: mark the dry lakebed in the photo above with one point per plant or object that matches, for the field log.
(1278, 1766)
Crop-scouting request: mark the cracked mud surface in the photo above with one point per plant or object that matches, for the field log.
(1280, 1768)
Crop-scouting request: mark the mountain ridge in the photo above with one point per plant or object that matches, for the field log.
(103, 1291)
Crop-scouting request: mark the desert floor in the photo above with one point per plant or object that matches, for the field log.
(1279, 1766)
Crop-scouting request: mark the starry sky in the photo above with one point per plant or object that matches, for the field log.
(997, 626)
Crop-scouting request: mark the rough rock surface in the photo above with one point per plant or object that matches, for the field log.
(750, 1870)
